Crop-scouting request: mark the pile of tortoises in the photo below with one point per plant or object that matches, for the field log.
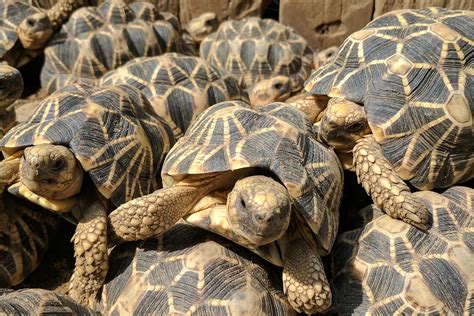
(208, 168)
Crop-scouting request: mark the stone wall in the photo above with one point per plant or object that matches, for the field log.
(225, 9)
(328, 22)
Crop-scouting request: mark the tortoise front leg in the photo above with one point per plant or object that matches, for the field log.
(150, 215)
(384, 185)
(90, 252)
(304, 280)
(62, 10)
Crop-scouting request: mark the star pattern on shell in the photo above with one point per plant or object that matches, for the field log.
(23, 243)
(98, 39)
(110, 131)
(12, 14)
(193, 281)
(413, 71)
(231, 136)
(253, 49)
(178, 87)
(399, 269)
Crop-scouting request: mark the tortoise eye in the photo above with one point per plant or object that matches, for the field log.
(355, 127)
(58, 164)
(30, 21)
(278, 86)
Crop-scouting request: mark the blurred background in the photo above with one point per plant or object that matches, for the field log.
(323, 23)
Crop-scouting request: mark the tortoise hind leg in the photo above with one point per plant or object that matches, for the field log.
(304, 280)
(384, 185)
(90, 252)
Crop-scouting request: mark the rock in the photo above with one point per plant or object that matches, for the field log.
(325, 23)
(384, 6)
(171, 6)
(189, 9)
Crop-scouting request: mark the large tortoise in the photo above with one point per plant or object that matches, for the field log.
(25, 29)
(387, 267)
(84, 151)
(178, 87)
(272, 165)
(98, 39)
(255, 49)
(412, 70)
(190, 271)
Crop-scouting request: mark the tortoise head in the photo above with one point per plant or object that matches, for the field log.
(259, 209)
(343, 123)
(202, 26)
(325, 56)
(35, 31)
(51, 171)
(270, 90)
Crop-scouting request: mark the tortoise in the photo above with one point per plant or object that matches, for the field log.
(25, 232)
(271, 164)
(190, 270)
(388, 267)
(178, 87)
(11, 87)
(254, 49)
(25, 29)
(196, 30)
(412, 72)
(324, 56)
(98, 39)
(39, 302)
(83, 152)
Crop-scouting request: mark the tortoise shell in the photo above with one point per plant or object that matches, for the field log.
(98, 39)
(178, 87)
(276, 137)
(112, 131)
(191, 271)
(12, 14)
(25, 232)
(39, 301)
(388, 267)
(413, 71)
(253, 49)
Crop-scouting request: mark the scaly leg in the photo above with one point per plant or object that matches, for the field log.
(384, 185)
(152, 214)
(90, 251)
(304, 280)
